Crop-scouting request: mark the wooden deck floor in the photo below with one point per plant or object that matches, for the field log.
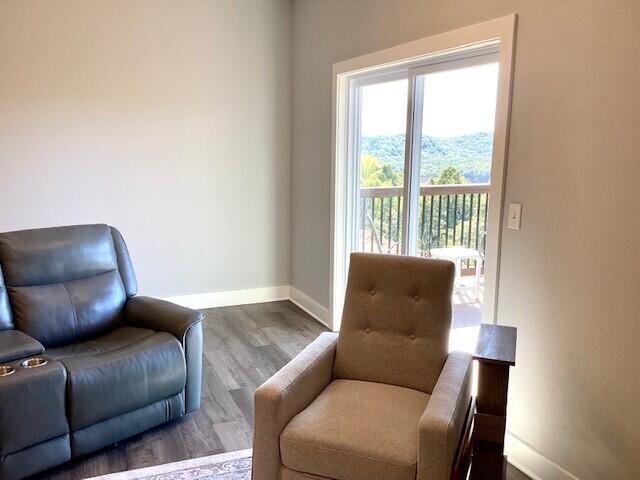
(244, 346)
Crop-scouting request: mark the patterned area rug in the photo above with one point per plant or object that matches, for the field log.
(225, 466)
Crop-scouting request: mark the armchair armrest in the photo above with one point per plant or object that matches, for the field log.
(183, 323)
(285, 395)
(443, 420)
(14, 345)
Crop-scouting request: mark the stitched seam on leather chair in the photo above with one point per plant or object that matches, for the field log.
(184, 352)
(4, 455)
(337, 450)
(75, 279)
(186, 332)
(119, 360)
(100, 422)
(73, 308)
(102, 352)
(115, 251)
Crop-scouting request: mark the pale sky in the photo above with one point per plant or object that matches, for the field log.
(455, 102)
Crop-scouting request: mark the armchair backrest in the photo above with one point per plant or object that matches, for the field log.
(64, 284)
(396, 320)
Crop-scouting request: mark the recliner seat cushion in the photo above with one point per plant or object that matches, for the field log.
(119, 338)
(356, 430)
(118, 380)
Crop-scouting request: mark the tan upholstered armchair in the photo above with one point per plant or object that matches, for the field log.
(383, 400)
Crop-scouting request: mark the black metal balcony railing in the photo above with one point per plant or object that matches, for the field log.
(449, 215)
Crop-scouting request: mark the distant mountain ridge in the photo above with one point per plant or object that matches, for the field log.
(470, 153)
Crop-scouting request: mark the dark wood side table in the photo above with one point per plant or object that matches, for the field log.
(495, 353)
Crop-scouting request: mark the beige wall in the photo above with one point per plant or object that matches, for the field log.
(168, 119)
(570, 278)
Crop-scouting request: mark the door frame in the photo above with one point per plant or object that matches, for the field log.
(499, 31)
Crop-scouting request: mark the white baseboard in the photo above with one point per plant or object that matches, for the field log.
(254, 295)
(232, 297)
(531, 462)
(310, 306)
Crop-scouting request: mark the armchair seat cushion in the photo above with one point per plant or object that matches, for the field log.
(356, 430)
(122, 371)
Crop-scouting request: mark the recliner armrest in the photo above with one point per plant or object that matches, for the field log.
(443, 420)
(161, 316)
(285, 395)
(14, 345)
(183, 323)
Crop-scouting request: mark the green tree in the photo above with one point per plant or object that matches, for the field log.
(449, 176)
(375, 174)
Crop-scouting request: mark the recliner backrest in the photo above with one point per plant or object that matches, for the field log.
(396, 320)
(64, 284)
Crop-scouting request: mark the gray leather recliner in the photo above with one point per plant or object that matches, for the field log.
(117, 364)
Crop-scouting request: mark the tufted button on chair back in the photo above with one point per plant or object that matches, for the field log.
(396, 320)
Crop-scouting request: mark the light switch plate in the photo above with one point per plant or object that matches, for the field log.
(515, 214)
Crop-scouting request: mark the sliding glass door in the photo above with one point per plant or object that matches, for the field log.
(421, 147)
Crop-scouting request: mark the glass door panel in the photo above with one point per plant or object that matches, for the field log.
(381, 148)
(457, 115)
(452, 143)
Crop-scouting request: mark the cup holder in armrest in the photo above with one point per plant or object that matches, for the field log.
(34, 362)
(6, 370)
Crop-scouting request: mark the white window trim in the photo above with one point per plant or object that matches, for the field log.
(501, 31)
